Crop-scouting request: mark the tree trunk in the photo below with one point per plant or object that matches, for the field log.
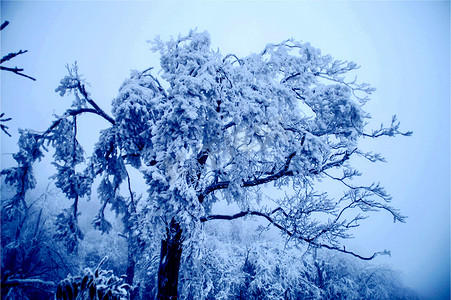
(130, 272)
(168, 271)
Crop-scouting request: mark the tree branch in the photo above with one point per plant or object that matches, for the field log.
(311, 242)
(101, 112)
(272, 177)
(74, 112)
(160, 87)
(225, 184)
(10, 56)
(29, 282)
(4, 24)
(17, 71)
(2, 126)
(243, 214)
(333, 164)
(390, 131)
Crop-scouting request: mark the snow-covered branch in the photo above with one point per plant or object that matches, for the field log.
(388, 131)
(258, 181)
(310, 241)
(33, 282)
(81, 88)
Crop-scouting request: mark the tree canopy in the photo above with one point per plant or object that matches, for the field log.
(215, 128)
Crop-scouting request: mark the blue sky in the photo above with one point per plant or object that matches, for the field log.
(403, 48)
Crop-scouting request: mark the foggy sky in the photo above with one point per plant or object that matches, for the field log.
(403, 48)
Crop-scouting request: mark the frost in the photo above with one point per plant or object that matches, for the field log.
(218, 128)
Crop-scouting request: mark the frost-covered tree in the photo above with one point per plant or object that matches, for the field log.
(234, 263)
(31, 262)
(216, 128)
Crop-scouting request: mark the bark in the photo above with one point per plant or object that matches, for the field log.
(130, 272)
(130, 269)
(168, 271)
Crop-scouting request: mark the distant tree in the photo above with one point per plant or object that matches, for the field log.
(339, 277)
(232, 262)
(32, 263)
(219, 128)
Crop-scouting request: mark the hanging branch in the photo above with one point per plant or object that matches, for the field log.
(310, 241)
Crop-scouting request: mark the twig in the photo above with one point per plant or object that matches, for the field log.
(17, 71)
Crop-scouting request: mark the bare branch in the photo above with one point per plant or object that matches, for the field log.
(385, 252)
(12, 55)
(17, 71)
(2, 126)
(4, 24)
